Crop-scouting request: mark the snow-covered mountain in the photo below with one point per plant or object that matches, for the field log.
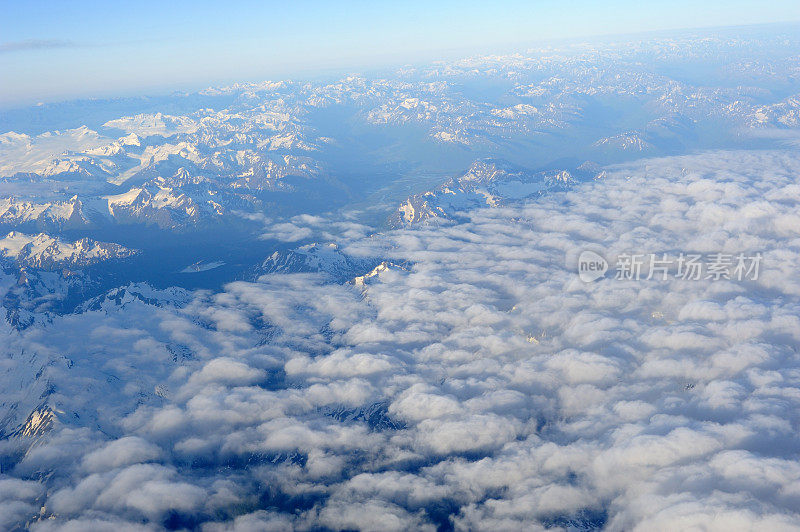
(45, 252)
(326, 259)
(374, 275)
(32, 297)
(487, 183)
(631, 141)
(270, 144)
(58, 215)
(119, 298)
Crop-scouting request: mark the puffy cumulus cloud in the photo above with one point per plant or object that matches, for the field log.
(306, 227)
(121, 452)
(143, 489)
(19, 501)
(259, 521)
(488, 387)
(288, 232)
(95, 525)
(227, 371)
(374, 514)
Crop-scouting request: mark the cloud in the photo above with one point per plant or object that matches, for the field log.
(488, 387)
(306, 227)
(122, 452)
(34, 44)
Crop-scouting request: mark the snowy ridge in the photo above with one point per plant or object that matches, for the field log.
(631, 141)
(374, 274)
(42, 251)
(326, 259)
(123, 297)
(487, 183)
(57, 215)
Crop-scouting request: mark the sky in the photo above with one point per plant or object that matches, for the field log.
(52, 51)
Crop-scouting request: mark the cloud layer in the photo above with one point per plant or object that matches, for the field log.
(486, 388)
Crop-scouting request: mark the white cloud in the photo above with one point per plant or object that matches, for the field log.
(487, 387)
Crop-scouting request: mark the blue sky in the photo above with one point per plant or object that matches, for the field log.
(59, 50)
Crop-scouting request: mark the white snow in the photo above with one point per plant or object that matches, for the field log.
(146, 125)
(23, 153)
(47, 252)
